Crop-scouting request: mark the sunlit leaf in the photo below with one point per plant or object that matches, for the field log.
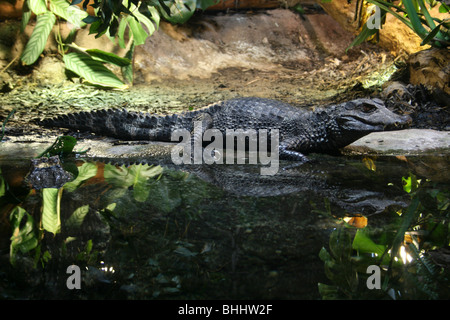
(92, 70)
(37, 6)
(108, 57)
(370, 164)
(411, 183)
(363, 243)
(72, 14)
(180, 11)
(85, 172)
(139, 34)
(50, 210)
(38, 39)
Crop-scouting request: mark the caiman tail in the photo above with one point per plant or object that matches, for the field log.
(123, 124)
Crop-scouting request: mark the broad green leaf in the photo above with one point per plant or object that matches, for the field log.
(145, 21)
(37, 6)
(77, 217)
(50, 209)
(135, 176)
(109, 57)
(141, 174)
(23, 237)
(443, 8)
(38, 38)
(363, 243)
(180, 11)
(85, 172)
(62, 146)
(72, 14)
(121, 32)
(92, 70)
(117, 176)
(139, 34)
(127, 71)
(155, 15)
(26, 15)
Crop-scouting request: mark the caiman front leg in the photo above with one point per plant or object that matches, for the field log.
(202, 122)
(286, 153)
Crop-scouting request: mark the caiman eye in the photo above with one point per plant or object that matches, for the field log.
(368, 108)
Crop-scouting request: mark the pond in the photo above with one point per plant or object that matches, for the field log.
(154, 230)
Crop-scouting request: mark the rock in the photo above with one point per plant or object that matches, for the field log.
(410, 141)
(50, 71)
(431, 68)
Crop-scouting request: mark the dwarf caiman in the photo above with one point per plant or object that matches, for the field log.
(301, 131)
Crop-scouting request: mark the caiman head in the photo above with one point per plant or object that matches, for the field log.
(368, 115)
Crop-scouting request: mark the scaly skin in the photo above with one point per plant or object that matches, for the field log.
(301, 131)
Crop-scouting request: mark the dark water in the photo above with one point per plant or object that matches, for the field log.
(226, 232)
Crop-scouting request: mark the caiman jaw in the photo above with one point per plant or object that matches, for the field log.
(402, 123)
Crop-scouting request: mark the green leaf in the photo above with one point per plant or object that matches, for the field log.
(108, 57)
(50, 209)
(431, 35)
(62, 146)
(141, 174)
(410, 184)
(139, 34)
(443, 8)
(180, 11)
(127, 71)
(363, 243)
(205, 4)
(26, 15)
(72, 14)
(362, 36)
(324, 255)
(85, 172)
(37, 6)
(23, 237)
(414, 18)
(92, 70)
(145, 21)
(77, 217)
(407, 218)
(135, 176)
(121, 32)
(38, 38)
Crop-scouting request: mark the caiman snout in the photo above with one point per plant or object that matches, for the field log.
(401, 122)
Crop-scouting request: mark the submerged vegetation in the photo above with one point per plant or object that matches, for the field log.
(401, 252)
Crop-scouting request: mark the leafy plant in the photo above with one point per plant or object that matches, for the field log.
(4, 123)
(413, 13)
(406, 271)
(112, 18)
